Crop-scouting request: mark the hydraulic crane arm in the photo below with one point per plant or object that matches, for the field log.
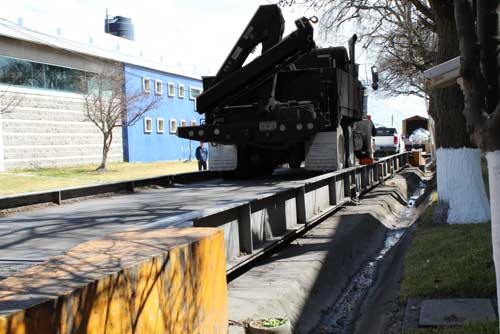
(233, 80)
(266, 27)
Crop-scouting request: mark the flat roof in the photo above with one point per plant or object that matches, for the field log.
(415, 118)
(126, 52)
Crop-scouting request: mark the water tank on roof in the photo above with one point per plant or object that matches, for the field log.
(119, 26)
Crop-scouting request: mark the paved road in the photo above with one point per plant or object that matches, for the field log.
(31, 237)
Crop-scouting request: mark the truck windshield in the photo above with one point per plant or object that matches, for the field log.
(385, 131)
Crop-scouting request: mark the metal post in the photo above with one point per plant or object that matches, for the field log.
(332, 188)
(355, 187)
(57, 197)
(245, 229)
(130, 186)
(347, 185)
(364, 178)
(300, 204)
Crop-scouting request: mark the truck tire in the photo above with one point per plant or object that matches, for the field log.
(341, 151)
(351, 159)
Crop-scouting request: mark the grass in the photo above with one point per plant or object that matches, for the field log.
(447, 261)
(490, 327)
(29, 180)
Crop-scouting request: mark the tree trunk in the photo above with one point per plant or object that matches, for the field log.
(494, 180)
(463, 177)
(106, 145)
(446, 104)
(451, 133)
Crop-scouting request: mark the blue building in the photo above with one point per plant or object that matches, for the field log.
(153, 136)
(49, 126)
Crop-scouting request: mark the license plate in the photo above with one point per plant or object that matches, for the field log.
(267, 126)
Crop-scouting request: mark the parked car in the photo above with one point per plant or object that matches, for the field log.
(387, 141)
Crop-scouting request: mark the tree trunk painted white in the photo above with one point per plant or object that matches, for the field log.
(494, 178)
(460, 184)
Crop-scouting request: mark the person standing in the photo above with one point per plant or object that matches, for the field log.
(201, 156)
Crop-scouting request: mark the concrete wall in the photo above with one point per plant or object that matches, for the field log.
(157, 281)
(143, 147)
(48, 128)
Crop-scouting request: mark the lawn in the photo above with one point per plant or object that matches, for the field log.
(29, 180)
(490, 327)
(447, 261)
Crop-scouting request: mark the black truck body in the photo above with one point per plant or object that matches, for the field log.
(272, 107)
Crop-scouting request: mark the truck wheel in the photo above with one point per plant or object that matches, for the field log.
(341, 156)
(351, 158)
(349, 146)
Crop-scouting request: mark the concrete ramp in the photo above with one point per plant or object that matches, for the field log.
(159, 281)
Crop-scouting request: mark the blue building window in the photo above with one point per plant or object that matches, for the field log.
(148, 124)
(171, 89)
(146, 85)
(194, 92)
(158, 87)
(182, 91)
(173, 126)
(160, 125)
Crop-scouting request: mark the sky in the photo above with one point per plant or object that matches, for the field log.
(192, 34)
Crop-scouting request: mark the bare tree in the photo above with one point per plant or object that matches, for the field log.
(108, 105)
(402, 33)
(410, 36)
(478, 27)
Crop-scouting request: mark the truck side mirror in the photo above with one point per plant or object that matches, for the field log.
(374, 77)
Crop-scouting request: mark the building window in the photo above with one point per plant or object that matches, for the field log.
(146, 85)
(160, 125)
(148, 124)
(182, 92)
(158, 87)
(193, 122)
(173, 126)
(183, 122)
(171, 89)
(194, 92)
(18, 72)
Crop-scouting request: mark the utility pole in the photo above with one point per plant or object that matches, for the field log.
(392, 120)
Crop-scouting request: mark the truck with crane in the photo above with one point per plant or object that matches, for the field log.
(294, 104)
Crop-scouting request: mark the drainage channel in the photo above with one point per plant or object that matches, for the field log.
(340, 318)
